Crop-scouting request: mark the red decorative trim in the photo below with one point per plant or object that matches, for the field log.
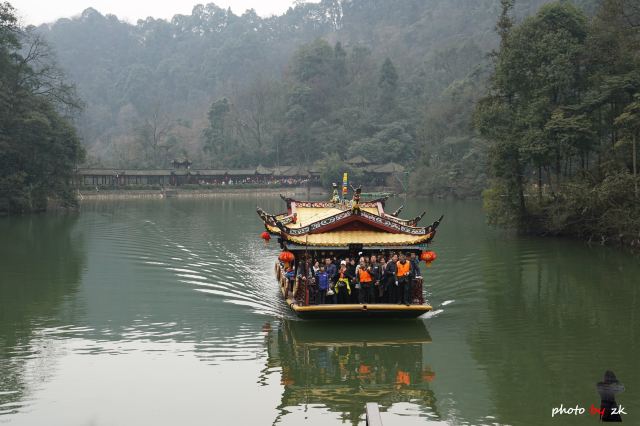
(352, 219)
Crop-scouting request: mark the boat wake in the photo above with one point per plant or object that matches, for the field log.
(241, 277)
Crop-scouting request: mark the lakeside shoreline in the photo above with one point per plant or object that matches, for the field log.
(138, 194)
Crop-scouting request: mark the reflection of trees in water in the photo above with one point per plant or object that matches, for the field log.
(557, 316)
(345, 366)
(42, 260)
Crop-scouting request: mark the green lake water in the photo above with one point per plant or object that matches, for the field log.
(166, 312)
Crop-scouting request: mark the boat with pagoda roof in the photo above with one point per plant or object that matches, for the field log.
(342, 228)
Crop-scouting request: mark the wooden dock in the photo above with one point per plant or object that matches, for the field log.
(373, 414)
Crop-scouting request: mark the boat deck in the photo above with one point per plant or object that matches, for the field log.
(375, 310)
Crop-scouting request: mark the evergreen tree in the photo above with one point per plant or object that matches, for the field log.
(388, 84)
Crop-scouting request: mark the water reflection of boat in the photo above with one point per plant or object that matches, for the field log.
(342, 367)
(338, 229)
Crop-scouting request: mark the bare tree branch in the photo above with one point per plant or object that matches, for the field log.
(40, 75)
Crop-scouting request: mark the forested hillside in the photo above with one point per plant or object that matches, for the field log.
(562, 115)
(392, 80)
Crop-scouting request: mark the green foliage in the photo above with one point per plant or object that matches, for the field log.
(562, 95)
(216, 137)
(595, 209)
(332, 169)
(39, 149)
(393, 142)
(314, 63)
(503, 213)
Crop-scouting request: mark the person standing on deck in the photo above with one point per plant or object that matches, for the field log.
(332, 271)
(403, 275)
(382, 288)
(415, 265)
(351, 274)
(392, 280)
(322, 278)
(366, 282)
(415, 272)
(376, 273)
(291, 277)
(304, 269)
(342, 287)
(305, 275)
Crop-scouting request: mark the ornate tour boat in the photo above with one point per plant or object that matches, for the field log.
(344, 228)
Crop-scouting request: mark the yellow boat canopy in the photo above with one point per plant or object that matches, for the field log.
(343, 224)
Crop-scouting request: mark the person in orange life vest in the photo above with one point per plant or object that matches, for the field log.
(363, 275)
(342, 287)
(402, 379)
(364, 371)
(404, 281)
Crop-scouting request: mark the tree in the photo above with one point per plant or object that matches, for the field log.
(505, 22)
(216, 139)
(630, 119)
(388, 85)
(534, 79)
(152, 134)
(39, 148)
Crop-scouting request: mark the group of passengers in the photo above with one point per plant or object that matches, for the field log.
(364, 280)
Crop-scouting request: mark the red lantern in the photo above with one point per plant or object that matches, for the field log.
(265, 236)
(286, 257)
(428, 257)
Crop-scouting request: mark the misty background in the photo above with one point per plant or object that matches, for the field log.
(389, 80)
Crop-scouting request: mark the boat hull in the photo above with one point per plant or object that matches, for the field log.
(342, 311)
